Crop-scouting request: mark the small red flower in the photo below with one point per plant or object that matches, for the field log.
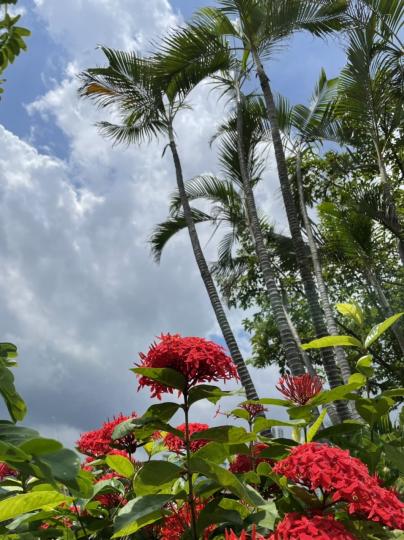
(6, 471)
(244, 535)
(198, 359)
(177, 445)
(175, 525)
(299, 389)
(345, 479)
(245, 463)
(99, 442)
(299, 527)
(253, 409)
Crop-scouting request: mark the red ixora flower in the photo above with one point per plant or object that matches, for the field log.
(198, 359)
(299, 527)
(99, 442)
(179, 521)
(244, 535)
(243, 463)
(345, 479)
(299, 389)
(177, 445)
(253, 409)
(110, 500)
(6, 471)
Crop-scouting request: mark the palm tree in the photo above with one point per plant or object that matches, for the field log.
(302, 127)
(354, 237)
(260, 28)
(148, 105)
(370, 90)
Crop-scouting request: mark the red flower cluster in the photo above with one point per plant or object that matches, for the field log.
(177, 445)
(110, 500)
(299, 389)
(346, 479)
(244, 535)
(99, 442)
(179, 521)
(198, 359)
(245, 463)
(299, 527)
(6, 471)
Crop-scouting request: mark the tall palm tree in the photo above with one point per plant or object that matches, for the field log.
(370, 93)
(148, 105)
(261, 26)
(302, 127)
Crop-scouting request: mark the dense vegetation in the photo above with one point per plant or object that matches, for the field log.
(325, 298)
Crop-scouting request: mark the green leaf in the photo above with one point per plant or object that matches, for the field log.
(40, 446)
(121, 465)
(263, 424)
(213, 451)
(265, 516)
(364, 365)
(13, 434)
(8, 350)
(357, 379)
(224, 434)
(166, 376)
(162, 411)
(270, 401)
(395, 456)
(64, 465)
(214, 514)
(348, 428)
(9, 452)
(373, 409)
(380, 328)
(333, 341)
(316, 426)
(209, 392)
(27, 502)
(15, 404)
(140, 512)
(353, 311)
(394, 392)
(154, 476)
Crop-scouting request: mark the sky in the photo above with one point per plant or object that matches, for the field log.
(81, 295)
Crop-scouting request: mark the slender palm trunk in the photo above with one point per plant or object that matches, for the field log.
(293, 358)
(330, 366)
(214, 298)
(340, 355)
(385, 306)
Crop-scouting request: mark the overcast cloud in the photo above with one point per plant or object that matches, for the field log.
(81, 294)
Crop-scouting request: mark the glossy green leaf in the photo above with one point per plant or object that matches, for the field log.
(265, 516)
(263, 424)
(224, 434)
(9, 452)
(316, 426)
(380, 328)
(27, 502)
(371, 410)
(395, 455)
(154, 476)
(394, 392)
(365, 365)
(162, 411)
(15, 404)
(63, 464)
(40, 445)
(352, 311)
(270, 401)
(166, 376)
(332, 341)
(209, 392)
(8, 350)
(138, 513)
(348, 428)
(120, 464)
(13, 434)
(213, 451)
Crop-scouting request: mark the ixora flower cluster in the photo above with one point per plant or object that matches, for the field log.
(338, 485)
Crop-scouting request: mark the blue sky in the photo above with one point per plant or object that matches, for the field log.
(81, 294)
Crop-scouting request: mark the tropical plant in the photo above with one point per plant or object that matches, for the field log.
(148, 104)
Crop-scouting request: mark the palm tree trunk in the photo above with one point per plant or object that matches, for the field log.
(340, 355)
(386, 307)
(293, 358)
(330, 366)
(214, 298)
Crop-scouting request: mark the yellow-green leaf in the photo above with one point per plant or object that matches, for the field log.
(379, 329)
(121, 465)
(353, 311)
(21, 504)
(316, 426)
(333, 341)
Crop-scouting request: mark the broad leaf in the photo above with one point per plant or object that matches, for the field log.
(353, 311)
(209, 392)
(316, 426)
(27, 502)
(40, 446)
(154, 476)
(364, 365)
(224, 434)
(270, 401)
(165, 376)
(380, 328)
(348, 429)
(15, 404)
(120, 464)
(333, 341)
(140, 512)
(371, 410)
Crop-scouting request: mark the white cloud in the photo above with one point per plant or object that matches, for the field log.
(81, 294)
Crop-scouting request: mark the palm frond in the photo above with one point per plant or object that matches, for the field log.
(164, 231)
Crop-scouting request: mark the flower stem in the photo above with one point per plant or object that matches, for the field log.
(191, 500)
